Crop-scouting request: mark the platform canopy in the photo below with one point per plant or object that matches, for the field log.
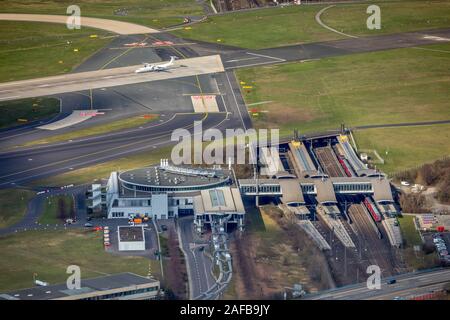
(325, 191)
(382, 190)
(292, 191)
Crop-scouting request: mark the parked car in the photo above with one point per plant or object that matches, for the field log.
(88, 225)
(163, 227)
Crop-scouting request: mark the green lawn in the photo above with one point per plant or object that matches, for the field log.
(18, 112)
(296, 24)
(132, 122)
(396, 16)
(372, 88)
(155, 13)
(34, 49)
(53, 213)
(13, 205)
(410, 235)
(406, 147)
(261, 28)
(48, 253)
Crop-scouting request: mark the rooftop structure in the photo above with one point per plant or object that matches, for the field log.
(167, 178)
(122, 286)
(131, 238)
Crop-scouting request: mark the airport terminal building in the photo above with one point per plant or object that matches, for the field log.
(166, 191)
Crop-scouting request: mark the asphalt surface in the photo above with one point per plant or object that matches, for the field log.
(199, 266)
(105, 78)
(406, 286)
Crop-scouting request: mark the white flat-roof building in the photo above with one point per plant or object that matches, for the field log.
(131, 238)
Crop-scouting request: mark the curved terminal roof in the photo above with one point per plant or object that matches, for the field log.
(156, 178)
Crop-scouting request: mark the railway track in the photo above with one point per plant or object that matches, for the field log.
(376, 249)
(329, 162)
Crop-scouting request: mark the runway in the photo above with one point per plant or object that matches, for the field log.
(105, 78)
(115, 26)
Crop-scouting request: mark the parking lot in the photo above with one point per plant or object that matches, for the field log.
(441, 243)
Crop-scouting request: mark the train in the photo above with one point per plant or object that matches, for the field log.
(344, 166)
(376, 215)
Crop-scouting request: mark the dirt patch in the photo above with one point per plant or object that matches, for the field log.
(268, 262)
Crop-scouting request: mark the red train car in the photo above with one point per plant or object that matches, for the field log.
(373, 210)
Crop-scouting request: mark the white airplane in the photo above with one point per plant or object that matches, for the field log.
(156, 67)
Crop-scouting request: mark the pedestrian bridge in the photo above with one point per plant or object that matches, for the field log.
(324, 189)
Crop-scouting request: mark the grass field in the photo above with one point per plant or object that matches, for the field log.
(14, 113)
(48, 253)
(410, 235)
(103, 170)
(261, 28)
(396, 16)
(52, 214)
(155, 13)
(406, 147)
(132, 122)
(383, 87)
(33, 49)
(296, 24)
(13, 205)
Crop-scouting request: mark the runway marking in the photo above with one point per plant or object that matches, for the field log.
(10, 97)
(235, 100)
(435, 50)
(436, 38)
(250, 65)
(264, 56)
(244, 59)
(258, 103)
(196, 76)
